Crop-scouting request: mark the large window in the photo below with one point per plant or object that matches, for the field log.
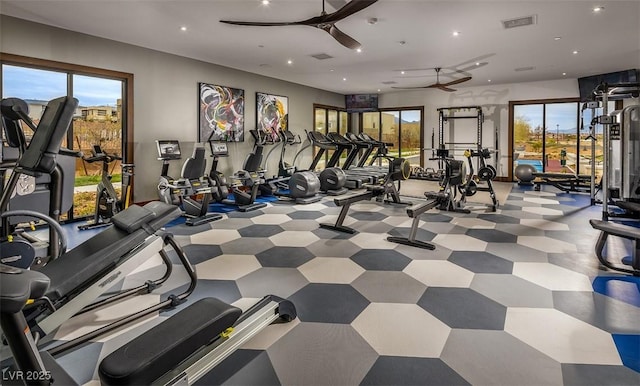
(102, 118)
(401, 128)
(552, 136)
(329, 119)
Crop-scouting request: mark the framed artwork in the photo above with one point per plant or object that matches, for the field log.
(272, 113)
(221, 113)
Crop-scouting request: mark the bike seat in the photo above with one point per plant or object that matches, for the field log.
(19, 285)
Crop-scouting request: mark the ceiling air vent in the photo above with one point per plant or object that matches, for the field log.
(390, 82)
(519, 22)
(519, 69)
(322, 56)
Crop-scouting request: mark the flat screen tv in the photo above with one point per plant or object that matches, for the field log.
(588, 83)
(361, 102)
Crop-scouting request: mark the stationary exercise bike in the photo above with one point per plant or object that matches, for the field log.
(192, 182)
(107, 201)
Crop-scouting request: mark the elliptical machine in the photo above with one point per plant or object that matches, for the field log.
(107, 202)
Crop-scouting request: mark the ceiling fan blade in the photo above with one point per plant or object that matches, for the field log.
(349, 9)
(258, 24)
(441, 86)
(342, 38)
(457, 81)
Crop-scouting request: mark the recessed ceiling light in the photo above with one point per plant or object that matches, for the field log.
(402, 72)
(477, 63)
(456, 33)
(488, 80)
(564, 73)
(575, 52)
(265, 2)
(344, 79)
(557, 38)
(289, 61)
(598, 9)
(359, 50)
(331, 70)
(183, 28)
(378, 90)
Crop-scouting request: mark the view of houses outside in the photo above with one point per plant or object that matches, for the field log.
(97, 121)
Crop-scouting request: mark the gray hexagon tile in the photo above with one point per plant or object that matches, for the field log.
(305, 215)
(270, 219)
(246, 245)
(512, 291)
(439, 273)
(227, 267)
(569, 341)
(460, 242)
(333, 248)
(260, 230)
(416, 334)
(300, 225)
(294, 239)
(215, 236)
(492, 235)
(233, 223)
(552, 277)
(328, 303)
(473, 223)
(381, 260)
(372, 241)
(321, 354)
(410, 371)
(335, 270)
(463, 308)
(389, 287)
(497, 358)
(481, 262)
(517, 253)
(284, 257)
(281, 282)
(597, 375)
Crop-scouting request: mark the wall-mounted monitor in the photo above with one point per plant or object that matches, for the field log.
(168, 149)
(588, 83)
(361, 102)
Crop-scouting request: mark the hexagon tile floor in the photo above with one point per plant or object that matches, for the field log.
(506, 298)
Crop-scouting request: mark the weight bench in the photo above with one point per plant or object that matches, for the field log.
(414, 212)
(566, 182)
(186, 346)
(619, 230)
(90, 270)
(345, 203)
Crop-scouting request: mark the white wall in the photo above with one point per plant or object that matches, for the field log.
(495, 106)
(165, 93)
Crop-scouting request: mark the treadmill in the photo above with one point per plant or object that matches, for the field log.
(324, 144)
(372, 177)
(368, 146)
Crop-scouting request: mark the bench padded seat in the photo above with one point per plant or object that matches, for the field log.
(93, 257)
(162, 348)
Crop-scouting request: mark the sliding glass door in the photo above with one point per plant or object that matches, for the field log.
(100, 119)
(400, 128)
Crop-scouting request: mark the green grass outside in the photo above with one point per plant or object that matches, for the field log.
(93, 180)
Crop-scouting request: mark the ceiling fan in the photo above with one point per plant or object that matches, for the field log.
(325, 21)
(441, 86)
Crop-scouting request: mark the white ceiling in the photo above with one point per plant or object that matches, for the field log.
(606, 41)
